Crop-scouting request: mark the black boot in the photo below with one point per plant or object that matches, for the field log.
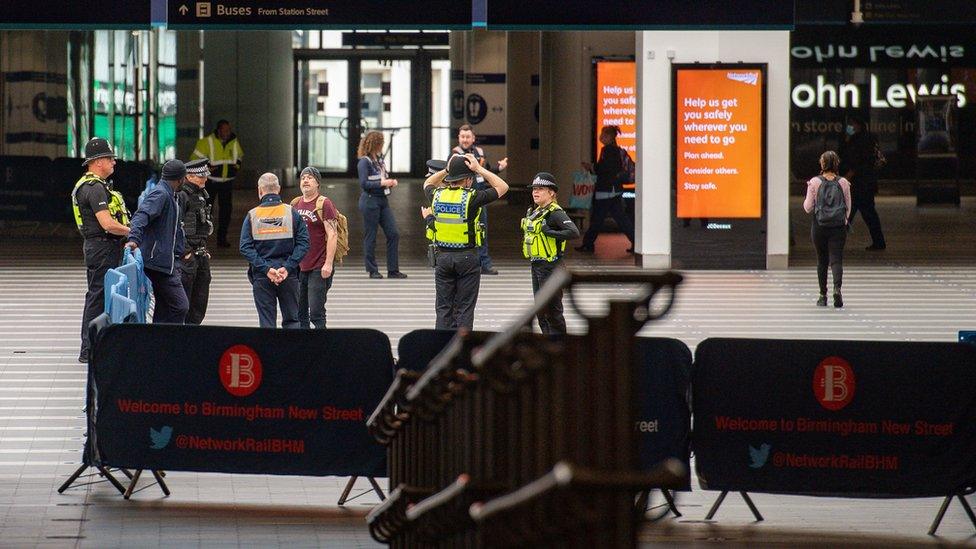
(822, 300)
(838, 300)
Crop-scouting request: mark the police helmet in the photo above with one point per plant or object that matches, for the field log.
(457, 169)
(96, 148)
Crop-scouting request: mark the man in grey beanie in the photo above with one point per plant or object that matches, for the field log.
(317, 267)
(157, 229)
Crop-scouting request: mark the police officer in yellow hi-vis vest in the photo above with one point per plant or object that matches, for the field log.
(103, 220)
(457, 232)
(274, 240)
(224, 153)
(546, 228)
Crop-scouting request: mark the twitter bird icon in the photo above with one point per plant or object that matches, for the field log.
(758, 457)
(160, 438)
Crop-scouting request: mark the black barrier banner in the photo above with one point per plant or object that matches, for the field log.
(664, 413)
(239, 400)
(418, 347)
(850, 418)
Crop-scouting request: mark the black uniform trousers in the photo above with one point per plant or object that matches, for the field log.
(457, 280)
(223, 193)
(551, 319)
(101, 254)
(378, 214)
(829, 242)
(195, 275)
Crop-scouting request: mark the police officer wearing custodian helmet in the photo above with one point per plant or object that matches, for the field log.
(103, 219)
(457, 232)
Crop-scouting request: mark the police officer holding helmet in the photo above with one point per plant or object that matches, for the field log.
(546, 228)
(102, 219)
(457, 232)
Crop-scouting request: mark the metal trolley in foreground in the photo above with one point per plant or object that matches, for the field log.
(516, 439)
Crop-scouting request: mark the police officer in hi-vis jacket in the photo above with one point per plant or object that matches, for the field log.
(102, 219)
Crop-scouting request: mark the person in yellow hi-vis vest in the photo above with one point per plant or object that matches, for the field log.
(456, 231)
(224, 152)
(546, 227)
(102, 219)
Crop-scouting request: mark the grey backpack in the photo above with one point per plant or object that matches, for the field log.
(831, 209)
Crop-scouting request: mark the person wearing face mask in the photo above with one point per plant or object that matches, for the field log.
(859, 156)
(158, 231)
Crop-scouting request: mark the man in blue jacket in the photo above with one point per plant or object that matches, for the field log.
(274, 240)
(157, 230)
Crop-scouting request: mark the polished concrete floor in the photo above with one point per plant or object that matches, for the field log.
(922, 288)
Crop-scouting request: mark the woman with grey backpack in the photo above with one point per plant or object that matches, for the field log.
(829, 199)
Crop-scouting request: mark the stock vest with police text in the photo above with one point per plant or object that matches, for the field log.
(537, 246)
(272, 222)
(116, 205)
(452, 228)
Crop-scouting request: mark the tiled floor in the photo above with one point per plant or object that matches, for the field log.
(910, 293)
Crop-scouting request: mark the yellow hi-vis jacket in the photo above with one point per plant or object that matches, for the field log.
(116, 205)
(452, 228)
(223, 158)
(536, 245)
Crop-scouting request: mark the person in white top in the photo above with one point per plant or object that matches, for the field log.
(829, 199)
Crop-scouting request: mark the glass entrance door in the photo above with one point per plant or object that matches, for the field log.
(386, 106)
(322, 113)
(338, 100)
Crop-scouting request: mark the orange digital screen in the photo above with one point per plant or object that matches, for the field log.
(616, 103)
(719, 142)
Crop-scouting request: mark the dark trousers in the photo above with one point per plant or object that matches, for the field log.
(829, 242)
(101, 254)
(312, 294)
(483, 255)
(457, 279)
(613, 207)
(195, 275)
(268, 297)
(551, 320)
(171, 303)
(864, 203)
(377, 213)
(222, 192)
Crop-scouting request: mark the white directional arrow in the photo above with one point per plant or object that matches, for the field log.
(184, 9)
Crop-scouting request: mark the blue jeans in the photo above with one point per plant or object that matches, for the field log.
(312, 293)
(377, 213)
(268, 296)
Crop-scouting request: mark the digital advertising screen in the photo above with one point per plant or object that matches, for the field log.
(719, 142)
(616, 103)
(718, 165)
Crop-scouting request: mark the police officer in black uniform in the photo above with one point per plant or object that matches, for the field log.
(103, 219)
(466, 145)
(456, 231)
(197, 225)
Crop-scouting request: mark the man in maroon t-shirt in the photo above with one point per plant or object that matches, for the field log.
(315, 277)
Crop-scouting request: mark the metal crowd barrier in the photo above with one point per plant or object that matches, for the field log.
(516, 439)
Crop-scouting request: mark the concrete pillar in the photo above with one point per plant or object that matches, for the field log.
(653, 223)
(249, 80)
(522, 89)
(189, 92)
(486, 57)
(34, 100)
